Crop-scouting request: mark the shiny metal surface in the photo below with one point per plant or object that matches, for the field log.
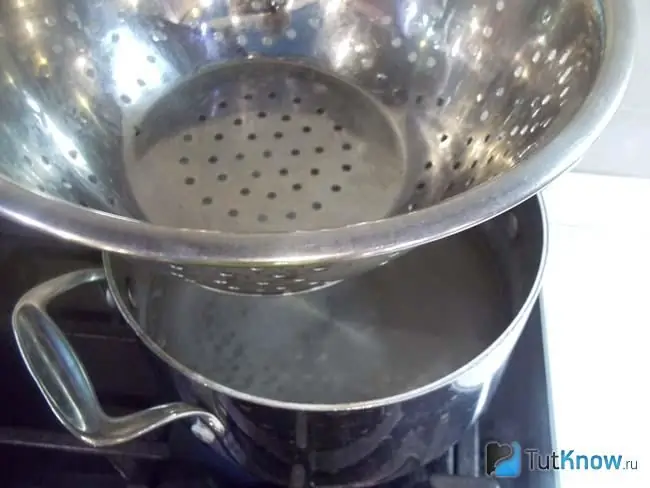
(291, 144)
(63, 379)
(358, 436)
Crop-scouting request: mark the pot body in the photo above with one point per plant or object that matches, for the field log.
(357, 448)
(360, 445)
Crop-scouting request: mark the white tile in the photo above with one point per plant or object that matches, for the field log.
(623, 148)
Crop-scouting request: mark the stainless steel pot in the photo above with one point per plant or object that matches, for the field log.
(352, 385)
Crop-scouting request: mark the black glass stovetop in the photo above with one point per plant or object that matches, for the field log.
(36, 452)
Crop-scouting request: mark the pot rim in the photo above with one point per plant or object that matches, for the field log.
(514, 328)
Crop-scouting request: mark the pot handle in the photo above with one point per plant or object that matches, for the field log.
(63, 380)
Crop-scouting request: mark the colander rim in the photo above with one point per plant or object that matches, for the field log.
(113, 233)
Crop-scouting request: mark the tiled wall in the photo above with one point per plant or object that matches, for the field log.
(624, 148)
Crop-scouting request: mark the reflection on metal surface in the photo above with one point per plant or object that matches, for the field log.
(261, 116)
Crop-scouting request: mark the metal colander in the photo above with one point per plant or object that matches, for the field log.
(272, 146)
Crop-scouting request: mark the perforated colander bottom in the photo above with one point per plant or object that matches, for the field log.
(265, 145)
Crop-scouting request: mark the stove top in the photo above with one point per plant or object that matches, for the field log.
(36, 452)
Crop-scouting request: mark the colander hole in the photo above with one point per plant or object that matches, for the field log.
(286, 118)
(297, 100)
(111, 201)
(563, 59)
(233, 212)
(475, 163)
(222, 177)
(484, 115)
(291, 215)
(336, 188)
(73, 154)
(187, 137)
(428, 165)
(267, 154)
(469, 141)
(444, 137)
(440, 101)
(237, 121)
(500, 92)
(206, 200)
(271, 195)
(306, 129)
(223, 104)
(320, 110)
(283, 171)
(314, 172)
(412, 57)
(213, 159)
(319, 149)
(115, 38)
(136, 131)
(184, 160)
(296, 187)
(346, 146)
(456, 165)
(92, 179)
(141, 83)
(239, 156)
(90, 73)
(290, 33)
(202, 118)
(245, 191)
(40, 188)
(338, 128)
(125, 98)
(278, 135)
(419, 99)
(256, 174)
(248, 96)
(316, 205)
(272, 95)
(396, 42)
(189, 180)
(295, 152)
(151, 59)
(261, 114)
(346, 167)
(420, 185)
(241, 40)
(218, 137)
(487, 138)
(45, 160)
(262, 218)
(500, 5)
